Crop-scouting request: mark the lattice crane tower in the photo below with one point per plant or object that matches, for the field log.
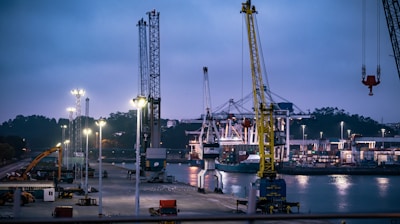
(154, 79)
(71, 111)
(263, 109)
(78, 124)
(143, 59)
(144, 80)
(392, 14)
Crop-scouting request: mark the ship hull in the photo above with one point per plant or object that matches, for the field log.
(339, 170)
(238, 168)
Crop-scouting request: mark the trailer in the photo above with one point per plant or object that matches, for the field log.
(166, 208)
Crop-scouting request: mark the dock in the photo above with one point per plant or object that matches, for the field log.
(118, 198)
(119, 203)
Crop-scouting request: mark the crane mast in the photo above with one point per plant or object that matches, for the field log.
(392, 14)
(209, 142)
(149, 73)
(272, 190)
(209, 133)
(154, 79)
(143, 58)
(144, 81)
(263, 111)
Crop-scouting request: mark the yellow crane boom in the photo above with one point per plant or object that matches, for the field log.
(263, 111)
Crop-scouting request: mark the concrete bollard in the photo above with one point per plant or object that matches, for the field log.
(17, 203)
(251, 206)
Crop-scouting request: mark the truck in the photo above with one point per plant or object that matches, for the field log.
(166, 208)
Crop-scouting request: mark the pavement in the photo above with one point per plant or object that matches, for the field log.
(119, 199)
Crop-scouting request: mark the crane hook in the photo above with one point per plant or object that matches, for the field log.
(370, 82)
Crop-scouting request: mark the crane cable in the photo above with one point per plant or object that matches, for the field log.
(268, 89)
(363, 40)
(241, 103)
(378, 38)
(378, 69)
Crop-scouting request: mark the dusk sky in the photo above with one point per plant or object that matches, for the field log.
(312, 51)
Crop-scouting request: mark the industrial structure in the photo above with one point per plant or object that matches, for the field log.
(149, 68)
(71, 140)
(25, 174)
(272, 191)
(78, 93)
(392, 14)
(154, 79)
(144, 80)
(209, 142)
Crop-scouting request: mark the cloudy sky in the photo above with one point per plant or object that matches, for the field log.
(312, 51)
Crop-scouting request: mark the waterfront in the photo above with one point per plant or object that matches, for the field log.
(118, 196)
(316, 194)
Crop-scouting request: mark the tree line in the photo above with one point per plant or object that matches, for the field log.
(39, 133)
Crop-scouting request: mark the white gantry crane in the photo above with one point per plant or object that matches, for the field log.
(209, 142)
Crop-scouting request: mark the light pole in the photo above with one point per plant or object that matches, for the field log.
(341, 130)
(139, 102)
(66, 152)
(321, 134)
(303, 126)
(383, 138)
(71, 138)
(101, 122)
(349, 137)
(63, 127)
(86, 132)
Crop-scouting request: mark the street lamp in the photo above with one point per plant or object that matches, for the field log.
(63, 127)
(348, 133)
(303, 126)
(101, 122)
(321, 134)
(139, 102)
(341, 129)
(86, 132)
(383, 137)
(66, 143)
(71, 111)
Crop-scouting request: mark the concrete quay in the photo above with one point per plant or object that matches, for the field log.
(119, 200)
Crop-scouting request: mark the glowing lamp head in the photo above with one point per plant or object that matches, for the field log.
(78, 92)
(71, 109)
(87, 131)
(101, 122)
(139, 102)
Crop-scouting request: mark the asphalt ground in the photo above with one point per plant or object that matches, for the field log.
(119, 199)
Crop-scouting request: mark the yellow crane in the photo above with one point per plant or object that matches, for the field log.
(272, 191)
(263, 111)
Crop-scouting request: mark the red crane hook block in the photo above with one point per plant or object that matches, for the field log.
(370, 82)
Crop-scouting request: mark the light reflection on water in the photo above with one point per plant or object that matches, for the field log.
(316, 194)
(383, 183)
(341, 182)
(302, 181)
(183, 173)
